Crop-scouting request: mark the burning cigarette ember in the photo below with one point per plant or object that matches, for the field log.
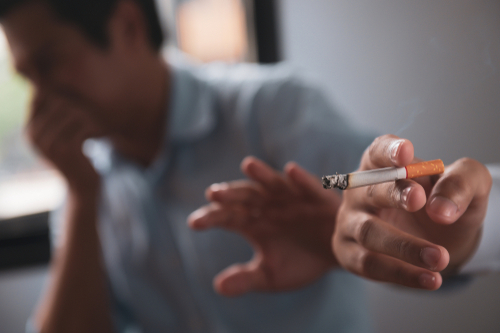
(384, 175)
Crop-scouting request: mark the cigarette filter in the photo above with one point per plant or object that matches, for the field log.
(384, 175)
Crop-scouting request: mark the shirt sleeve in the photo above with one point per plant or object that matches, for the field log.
(487, 257)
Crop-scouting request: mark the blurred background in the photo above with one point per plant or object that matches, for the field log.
(425, 70)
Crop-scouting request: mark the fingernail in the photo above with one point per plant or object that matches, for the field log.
(217, 191)
(219, 187)
(405, 195)
(430, 256)
(395, 149)
(200, 221)
(427, 280)
(443, 206)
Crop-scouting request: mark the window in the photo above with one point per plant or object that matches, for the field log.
(211, 30)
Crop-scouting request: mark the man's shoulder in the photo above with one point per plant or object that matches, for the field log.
(238, 78)
(246, 77)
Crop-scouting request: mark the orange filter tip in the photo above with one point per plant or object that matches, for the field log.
(421, 169)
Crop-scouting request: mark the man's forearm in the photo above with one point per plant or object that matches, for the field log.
(77, 298)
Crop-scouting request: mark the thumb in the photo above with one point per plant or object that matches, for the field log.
(240, 279)
(465, 183)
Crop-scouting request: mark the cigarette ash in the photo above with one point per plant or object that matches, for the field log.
(335, 181)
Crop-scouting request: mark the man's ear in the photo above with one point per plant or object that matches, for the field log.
(128, 29)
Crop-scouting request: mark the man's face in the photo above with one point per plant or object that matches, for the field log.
(59, 60)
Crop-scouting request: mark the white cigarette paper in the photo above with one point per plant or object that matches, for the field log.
(384, 175)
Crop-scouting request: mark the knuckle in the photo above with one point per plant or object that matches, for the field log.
(276, 183)
(370, 191)
(394, 195)
(372, 149)
(250, 196)
(364, 231)
(469, 164)
(466, 161)
(399, 276)
(367, 264)
(456, 182)
(379, 145)
(403, 248)
(479, 169)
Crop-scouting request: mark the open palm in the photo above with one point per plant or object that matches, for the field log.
(289, 220)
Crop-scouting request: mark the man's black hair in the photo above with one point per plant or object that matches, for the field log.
(92, 16)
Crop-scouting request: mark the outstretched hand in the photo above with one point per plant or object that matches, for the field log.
(289, 220)
(409, 231)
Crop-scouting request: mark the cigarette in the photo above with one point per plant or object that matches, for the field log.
(384, 175)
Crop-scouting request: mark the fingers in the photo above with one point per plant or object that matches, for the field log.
(57, 133)
(390, 151)
(387, 151)
(380, 237)
(307, 184)
(466, 182)
(240, 279)
(238, 192)
(42, 119)
(216, 215)
(260, 172)
(384, 268)
(56, 121)
(372, 248)
(403, 194)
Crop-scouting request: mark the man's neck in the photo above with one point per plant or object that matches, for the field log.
(142, 138)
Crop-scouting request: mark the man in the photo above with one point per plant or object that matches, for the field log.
(125, 258)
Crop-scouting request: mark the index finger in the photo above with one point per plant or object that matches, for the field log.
(239, 192)
(387, 151)
(263, 174)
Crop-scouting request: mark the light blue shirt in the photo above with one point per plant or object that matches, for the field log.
(160, 272)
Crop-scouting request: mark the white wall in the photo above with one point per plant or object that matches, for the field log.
(427, 70)
(388, 62)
